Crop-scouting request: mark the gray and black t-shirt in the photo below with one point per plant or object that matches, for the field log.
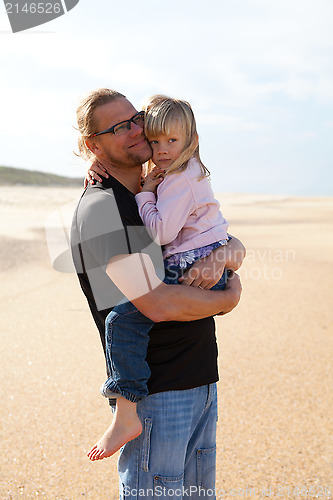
(181, 355)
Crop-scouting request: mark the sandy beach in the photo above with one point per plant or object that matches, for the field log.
(275, 425)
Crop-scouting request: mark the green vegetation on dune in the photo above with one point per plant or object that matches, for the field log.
(10, 176)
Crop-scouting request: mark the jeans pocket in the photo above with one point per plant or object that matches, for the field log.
(170, 487)
(206, 467)
(148, 424)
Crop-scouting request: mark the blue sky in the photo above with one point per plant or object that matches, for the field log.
(258, 73)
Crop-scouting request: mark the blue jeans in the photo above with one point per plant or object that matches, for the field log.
(127, 334)
(175, 456)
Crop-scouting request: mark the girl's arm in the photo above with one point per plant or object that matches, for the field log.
(165, 216)
(95, 170)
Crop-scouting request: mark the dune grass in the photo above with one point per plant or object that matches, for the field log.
(19, 176)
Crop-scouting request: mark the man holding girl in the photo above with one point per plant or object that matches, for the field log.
(172, 445)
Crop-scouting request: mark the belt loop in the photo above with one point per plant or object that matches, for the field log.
(208, 400)
(210, 394)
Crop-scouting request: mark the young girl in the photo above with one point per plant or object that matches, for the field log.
(185, 218)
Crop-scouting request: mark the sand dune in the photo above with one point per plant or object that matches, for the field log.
(275, 353)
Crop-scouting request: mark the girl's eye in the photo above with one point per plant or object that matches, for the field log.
(172, 140)
(153, 142)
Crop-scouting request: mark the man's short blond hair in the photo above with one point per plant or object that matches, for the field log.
(85, 116)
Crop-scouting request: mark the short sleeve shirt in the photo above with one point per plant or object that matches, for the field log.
(106, 223)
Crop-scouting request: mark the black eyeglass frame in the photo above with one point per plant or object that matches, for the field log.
(128, 122)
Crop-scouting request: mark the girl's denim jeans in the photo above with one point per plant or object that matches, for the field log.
(127, 334)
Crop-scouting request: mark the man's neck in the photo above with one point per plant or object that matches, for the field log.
(130, 178)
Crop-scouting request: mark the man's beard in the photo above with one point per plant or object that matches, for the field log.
(139, 159)
(133, 158)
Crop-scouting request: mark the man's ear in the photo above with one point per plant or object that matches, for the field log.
(91, 145)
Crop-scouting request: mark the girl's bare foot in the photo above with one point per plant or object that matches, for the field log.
(126, 426)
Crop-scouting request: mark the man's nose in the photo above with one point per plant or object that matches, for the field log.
(135, 129)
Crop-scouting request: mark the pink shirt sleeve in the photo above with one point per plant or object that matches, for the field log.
(166, 216)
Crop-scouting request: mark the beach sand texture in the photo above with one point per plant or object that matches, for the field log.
(275, 355)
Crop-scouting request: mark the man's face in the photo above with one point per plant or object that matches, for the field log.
(126, 150)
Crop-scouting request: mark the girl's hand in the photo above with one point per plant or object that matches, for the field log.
(201, 275)
(206, 272)
(92, 173)
(153, 179)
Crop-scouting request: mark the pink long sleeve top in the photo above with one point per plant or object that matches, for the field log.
(185, 214)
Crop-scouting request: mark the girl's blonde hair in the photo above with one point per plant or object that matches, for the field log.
(162, 115)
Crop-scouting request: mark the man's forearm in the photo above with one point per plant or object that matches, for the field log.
(186, 303)
(135, 276)
(191, 303)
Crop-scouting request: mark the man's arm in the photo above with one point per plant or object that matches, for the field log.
(135, 276)
(206, 272)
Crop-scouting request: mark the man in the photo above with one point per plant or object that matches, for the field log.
(175, 454)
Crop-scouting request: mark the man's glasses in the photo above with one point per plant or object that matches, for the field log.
(122, 127)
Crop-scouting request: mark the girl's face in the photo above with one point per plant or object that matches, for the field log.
(167, 147)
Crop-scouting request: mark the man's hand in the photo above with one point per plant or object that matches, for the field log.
(93, 173)
(233, 285)
(153, 179)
